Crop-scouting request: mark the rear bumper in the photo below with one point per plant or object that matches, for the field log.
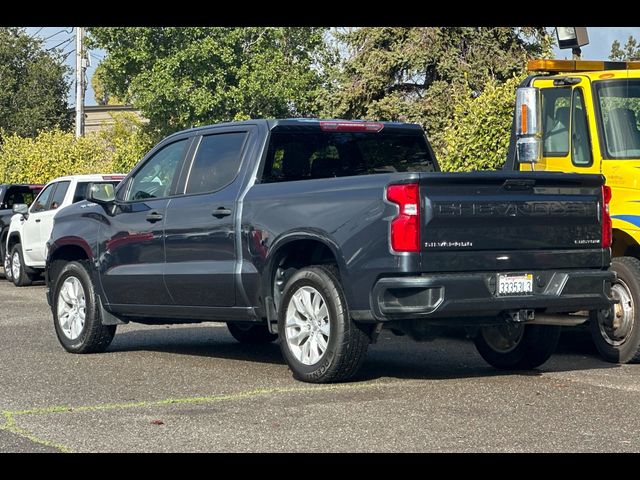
(473, 295)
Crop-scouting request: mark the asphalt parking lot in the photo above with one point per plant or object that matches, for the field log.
(193, 388)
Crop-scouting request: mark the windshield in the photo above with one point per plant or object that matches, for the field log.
(619, 112)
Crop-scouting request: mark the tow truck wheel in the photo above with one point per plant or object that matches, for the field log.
(616, 332)
(517, 346)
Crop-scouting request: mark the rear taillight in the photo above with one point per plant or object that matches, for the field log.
(405, 228)
(607, 233)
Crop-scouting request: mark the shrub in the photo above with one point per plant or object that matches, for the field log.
(55, 153)
(477, 138)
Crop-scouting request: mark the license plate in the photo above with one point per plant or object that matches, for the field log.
(515, 284)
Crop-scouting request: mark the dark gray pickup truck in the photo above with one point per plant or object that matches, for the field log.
(322, 233)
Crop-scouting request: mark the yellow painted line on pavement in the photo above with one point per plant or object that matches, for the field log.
(9, 425)
(10, 422)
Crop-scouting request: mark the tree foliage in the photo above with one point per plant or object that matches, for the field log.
(184, 77)
(55, 152)
(630, 51)
(415, 73)
(33, 85)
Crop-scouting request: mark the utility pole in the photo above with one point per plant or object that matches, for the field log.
(80, 87)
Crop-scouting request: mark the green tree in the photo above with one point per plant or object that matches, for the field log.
(630, 51)
(414, 73)
(183, 77)
(33, 85)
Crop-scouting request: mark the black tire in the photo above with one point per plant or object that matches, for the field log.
(24, 279)
(347, 343)
(531, 349)
(94, 336)
(7, 268)
(620, 344)
(251, 333)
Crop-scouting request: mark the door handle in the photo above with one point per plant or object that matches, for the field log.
(221, 212)
(38, 220)
(154, 217)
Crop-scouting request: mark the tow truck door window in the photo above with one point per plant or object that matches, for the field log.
(555, 121)
(580, 145)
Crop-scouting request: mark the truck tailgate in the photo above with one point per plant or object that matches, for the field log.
(556, 213)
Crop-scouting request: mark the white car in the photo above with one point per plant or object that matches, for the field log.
(31, 227)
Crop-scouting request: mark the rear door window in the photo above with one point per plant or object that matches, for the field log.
(216, 163)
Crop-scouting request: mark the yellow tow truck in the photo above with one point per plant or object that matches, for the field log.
(583, 116)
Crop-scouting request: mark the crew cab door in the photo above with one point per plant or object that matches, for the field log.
(569, 131)
(200, 228)
(131, 243)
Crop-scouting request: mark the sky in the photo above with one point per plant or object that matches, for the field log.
(600, 40)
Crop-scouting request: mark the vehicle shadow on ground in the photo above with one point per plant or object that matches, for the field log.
(36, 283)
(214, 342)
(454, 357)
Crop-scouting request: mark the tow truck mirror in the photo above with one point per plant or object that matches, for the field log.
(101, 193)
(20, 208)
(528, 125)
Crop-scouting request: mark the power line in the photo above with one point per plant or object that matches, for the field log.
(58, 33)
(67, 41)
(66, 55)
(36, 34)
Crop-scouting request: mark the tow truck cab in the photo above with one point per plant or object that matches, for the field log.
(590, 114)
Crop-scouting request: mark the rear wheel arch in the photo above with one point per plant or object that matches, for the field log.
(296, 252)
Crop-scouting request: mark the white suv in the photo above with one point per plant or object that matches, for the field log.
(31, 227)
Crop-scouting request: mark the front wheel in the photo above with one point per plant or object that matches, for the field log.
(318, 339)
(19, 275)
(76, 312)
(616, 332)
(7, 268)
(517, 346)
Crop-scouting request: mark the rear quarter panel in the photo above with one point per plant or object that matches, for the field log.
(348, 214)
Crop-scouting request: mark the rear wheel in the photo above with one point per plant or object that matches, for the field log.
(76, 312)
(250, 333)
(318, 339)
(19, 274)
(616, 332)
(517, 346)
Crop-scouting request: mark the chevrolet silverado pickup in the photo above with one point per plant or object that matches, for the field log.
(322, 233)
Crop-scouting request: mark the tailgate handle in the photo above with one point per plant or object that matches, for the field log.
(518, 184)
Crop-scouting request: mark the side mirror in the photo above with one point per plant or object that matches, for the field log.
(528, 125)
(101, 193)
(20, 208)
